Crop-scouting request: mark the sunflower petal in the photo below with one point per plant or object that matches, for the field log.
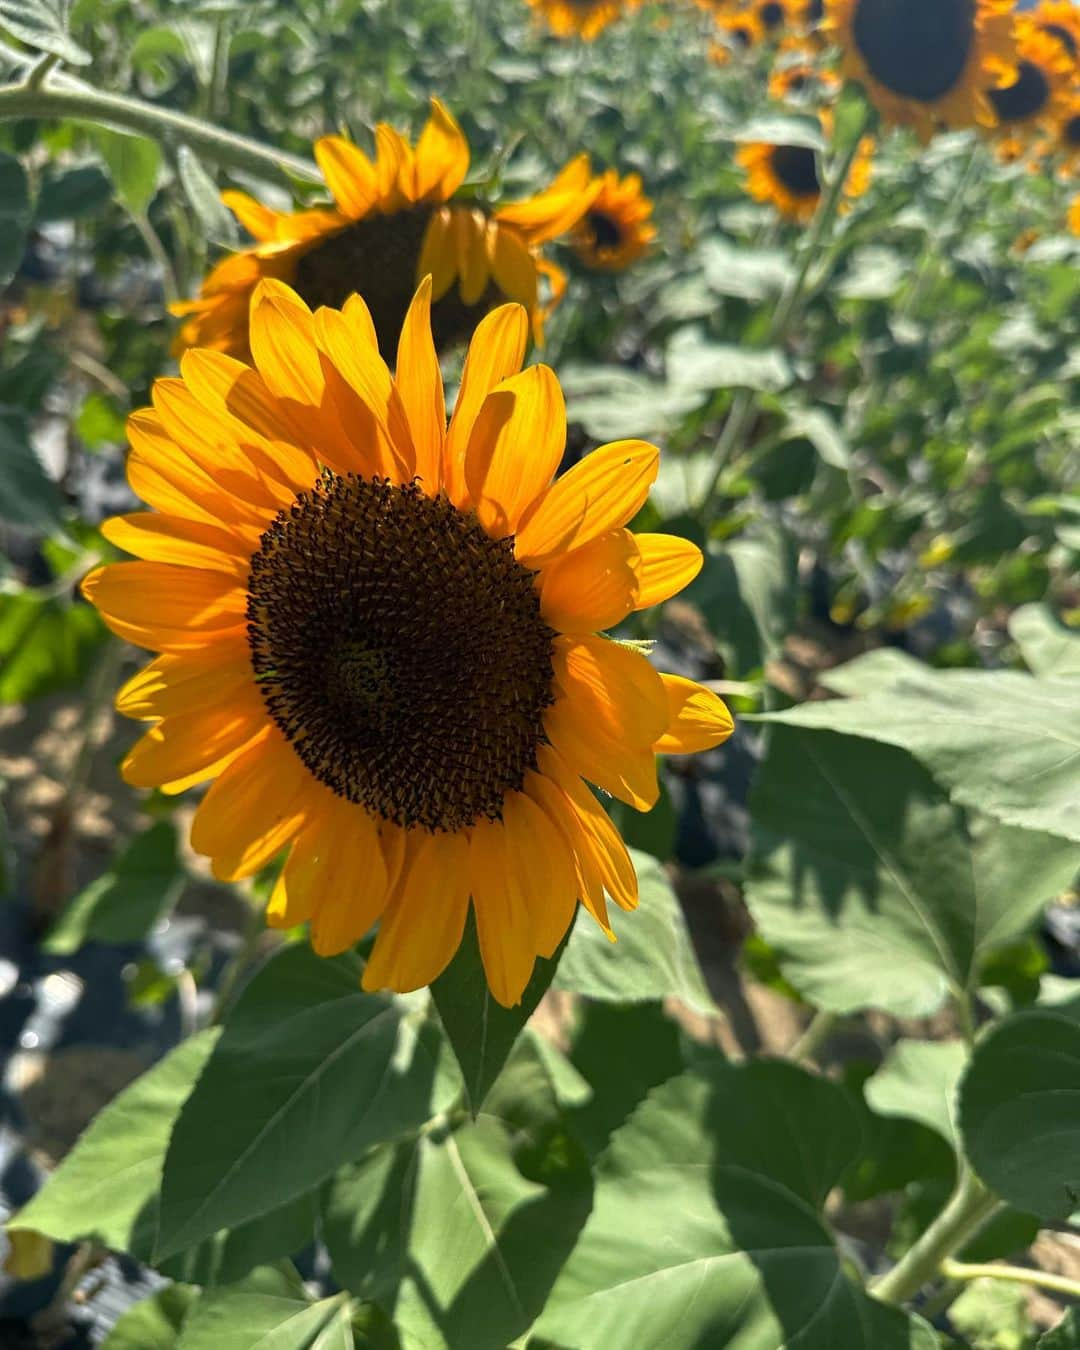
(626, 771)
(164, 607)
(442, 156)
(612, 688)
(194, 746)
(260, 221)
(184, 682)
(514, 267)
(592, 587)
(438, 253)
(503, 924)
(345, 869)
(349, 175)
(697, 718)
(668, 563)
(561, 812)
(542, 869)
(419, 381)
(170, 539)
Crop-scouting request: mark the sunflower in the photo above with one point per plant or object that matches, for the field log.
(1065, 140)
(393, 221)
(924, 63)
(585, 19)
(1035, 83)
(803, 83)
(380, 636)
(739, 33)
(772, 16)
(616, 230)
(1060, 19)
(788, 176)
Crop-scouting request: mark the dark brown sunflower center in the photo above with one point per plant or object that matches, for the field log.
(603, 230)
(795, 167)
(401, 651)
(771, 16)
(1026, 96)
(378, 257)
(814, 12)
(1067, 39)
(1072, 131)
(919, 49)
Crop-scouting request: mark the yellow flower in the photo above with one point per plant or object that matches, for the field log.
(803, 82)
(394, 220)
(1035, 82)
(787, 176)
(1065, 139)
(924, 63)
(1074, 216)
(740, 32)
(379, 635)
(616, 230)
(585, 19)
(773, 16)
(1060, 19)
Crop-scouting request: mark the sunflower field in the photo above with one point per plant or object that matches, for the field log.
(540, 674)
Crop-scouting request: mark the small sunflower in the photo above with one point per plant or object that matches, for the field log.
(394, 220)
(788, 177)
(740, 32)
(773, 16)
(924, 63)
(803, 83)
(380, 636)
(616, 229)
(585, 19)
(1035, 82)
(1060, 19)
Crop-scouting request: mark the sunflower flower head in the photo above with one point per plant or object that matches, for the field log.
(585, 19)
(380, 636)
(395, 218)
(739, 32)
(617, 228)
(1035, 83)
(925, 63)
(788, 177)
(1060, 19)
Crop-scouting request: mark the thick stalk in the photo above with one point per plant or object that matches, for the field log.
(1038, 1279)
(788, 307)
(971, 1205)
(812, 1040)
(147, 119)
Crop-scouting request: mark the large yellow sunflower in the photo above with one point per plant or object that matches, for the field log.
(379, 635)
(924, 63)
(616, 229)
(585, 19)
(1034, 85)
(788, 176)
(394, 220)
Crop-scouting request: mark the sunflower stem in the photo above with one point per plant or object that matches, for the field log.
(787, 309)
(1039, 1279)
(73, 99)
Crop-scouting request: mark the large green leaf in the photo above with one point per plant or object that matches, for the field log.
(28, 496)
(652, 958)
(15, 215)
(1065, 1336)
(43, 24)
(1049, 648)
(310, 1072)
(706, 1228)
(46, 643)
(1020, 1110)
(873, 888)
(125, 902)
(1003, 743)
(481, 1031)
(918, 1081)
(461, 1232)
(153, 1323)
(269, 1311)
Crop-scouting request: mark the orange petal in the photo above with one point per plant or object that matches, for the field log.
(419, 381)
(187, 543)
(514, 267)
(562, 813)
(163, 607)
(471, 240)
(612, 688)
(668, 563)
(349, 175)
(183, 682)
(697, 718)
(593, 587)
(422, 927)
(626, 771)
(193, 746)
(438, 253)
(496, 351)
(503, 923)
(442, 156)
(604, 490)
(541, 868)
(517, 441)
(260, 221)
(336, 875)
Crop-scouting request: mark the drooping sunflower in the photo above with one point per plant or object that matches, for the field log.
(924, 63)
(1034, 85)
(788, 176)
(616, 229)
(585, 19)
(394, 220)
(380, 636)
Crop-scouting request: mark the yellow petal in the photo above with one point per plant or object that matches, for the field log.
(442, 156)
(254, 809)
(339, 862)
(612, 688)
(496, 351)
(260, 221)
(556, 209)
(604, 490)
(626, 771)
(187, 543)
(163, 607)
(593, 587)
(503, 923)
(697, 718)
(668, 563)
(419, 382)
(517, 441)
(183, 682)
(194, 746)
(438, 253)
(394, 169)
(541, 868)
(473, 248)
(514, 267)
(283, 343)
(349, 175)
(562, 813)
(423, 923)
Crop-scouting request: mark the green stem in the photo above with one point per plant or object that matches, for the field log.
(814, 1037)
(147, 119)
(968, 1209)
(158, 252)
(787, 309)
(1040, 1279)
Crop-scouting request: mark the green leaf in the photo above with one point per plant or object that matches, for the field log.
(309, 1073)
(67, 194)
(16, 214)
(481, 1032)
(125, 903)
(702, 367)
(154, 1323)
(918, 1081)
(993, 1315)
(28, 496)
(268, 1311)
(46, 643)
(1049, 648)
(43, 25)
(1020, 1110)
(1003, 743)
(706, 1227)
(745, 273)
(1065, 1336)
(133, 163)
(652, 958)
(871, 886)
(205, 198)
